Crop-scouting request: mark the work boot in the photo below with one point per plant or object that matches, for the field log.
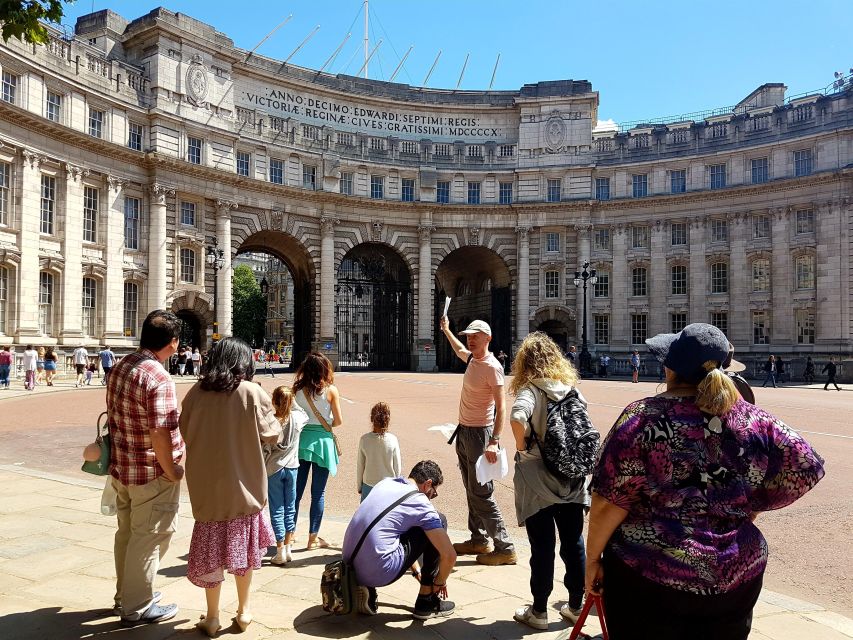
(495, 558)
(470, 548)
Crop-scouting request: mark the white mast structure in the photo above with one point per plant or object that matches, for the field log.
(366, 40)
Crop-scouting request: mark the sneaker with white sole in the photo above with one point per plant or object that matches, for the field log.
(526, 615)
(431, 606)
(569, 613)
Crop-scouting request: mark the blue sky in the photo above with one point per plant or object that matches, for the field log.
(647, 59)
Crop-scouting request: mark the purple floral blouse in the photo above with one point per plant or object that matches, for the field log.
(690, 483)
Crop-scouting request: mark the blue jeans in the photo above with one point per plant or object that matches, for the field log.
(4, 374)
(319, 477)
(771, 377)
(365, 491)
(282, 496)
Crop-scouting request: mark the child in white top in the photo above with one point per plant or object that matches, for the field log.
(378, 452)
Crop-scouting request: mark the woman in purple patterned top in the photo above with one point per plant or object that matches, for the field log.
(679, 483)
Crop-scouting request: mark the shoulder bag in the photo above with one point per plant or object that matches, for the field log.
(101, 466)
(322, 420)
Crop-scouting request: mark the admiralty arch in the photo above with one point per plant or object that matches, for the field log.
(128, 148)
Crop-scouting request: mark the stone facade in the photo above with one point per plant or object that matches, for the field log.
(125, 150)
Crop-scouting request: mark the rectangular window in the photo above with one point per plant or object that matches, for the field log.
(134, 136)
(91, 197)
(677, 321)
(759, 170)
(473, 193)
(719, 230)
(505, 193)
(555, 186)
(506, 151)
(717, 176)
(187, 266)
(45, 303)
(805, 221)
(407, 190)
(377, 187)
(4, 297)
(131, 308)
(552, 284)
(719, 277)
(96, 123)
(639, 237)
(442, 191)
(760, 327)
(639, 328)
(601, 288)
(678, 280)
(131, 223)
(805, 272)
(309, 177)
(678, 234)
(5, 179)
(805, 326)
(276, 171)
(761, 275)
(601, 240)
(346, 183)
(640, 185)
(760, 227)
(678, 181)
(639, 281)
(602, 188)
(89, 304)
(601, 328)
(188, 214)
(53, 106)
(720, 319)
(552, 242)
(10, 87)
(48, 204)
(194, 147)
(243, 163)
(803, 162)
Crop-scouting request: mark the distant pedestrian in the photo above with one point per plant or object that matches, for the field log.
(780, 370)
(572, 355)
(603, 363)
(5, 366)
(770, 371)
(50, 365)
(40, 365)
(190, 370)
(378, 452)
(108, 361)
(29, 363)
(809, 371)
(91, 371)
(182, 361)
(635, 366)
(264, 359)
(830, 368)
(80, 358)
(196, 357)
(502, 359)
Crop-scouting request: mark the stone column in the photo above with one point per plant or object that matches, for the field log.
(782, 286)
(620, 332)
(425, 342)
(157, 288)
(27, 321)
(658, 282)
(583, 231)
(72, 250)
(740, 279)
(224, 275)
(522, 303)
(698, 273)
(830, 286)
(327, 279)
(845, 213)
(114, 258)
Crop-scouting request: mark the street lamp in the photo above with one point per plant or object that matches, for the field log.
(582, 278)
(215, 258)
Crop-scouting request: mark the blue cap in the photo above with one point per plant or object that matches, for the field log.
(686, 352)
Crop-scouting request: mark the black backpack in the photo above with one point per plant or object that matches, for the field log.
(570, 445)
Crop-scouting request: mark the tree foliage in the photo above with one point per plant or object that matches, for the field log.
(22, 18)
(249, 307)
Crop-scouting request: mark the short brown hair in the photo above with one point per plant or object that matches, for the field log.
(380, 417)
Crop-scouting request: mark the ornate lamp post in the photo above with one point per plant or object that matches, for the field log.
(265, 289)
(582, 278)
(215, 258)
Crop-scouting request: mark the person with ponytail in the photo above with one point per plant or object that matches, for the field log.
(378, 452)
(672, 544)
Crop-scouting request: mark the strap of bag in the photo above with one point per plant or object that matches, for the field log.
(396, 503)
(316, 413)
(99, 430)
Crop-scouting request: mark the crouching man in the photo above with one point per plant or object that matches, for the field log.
(411, 529)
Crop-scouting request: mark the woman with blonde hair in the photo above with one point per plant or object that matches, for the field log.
(679, 482)
(542, 380)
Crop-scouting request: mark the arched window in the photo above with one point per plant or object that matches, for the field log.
(90, 304)
(45, 303)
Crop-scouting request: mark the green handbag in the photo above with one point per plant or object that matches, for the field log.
(101, 466)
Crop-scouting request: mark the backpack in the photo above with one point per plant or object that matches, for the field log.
(570, 445)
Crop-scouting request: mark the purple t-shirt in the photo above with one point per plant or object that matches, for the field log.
(690, 483)
(380, 559)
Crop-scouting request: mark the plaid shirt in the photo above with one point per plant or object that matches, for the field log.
(140, 396)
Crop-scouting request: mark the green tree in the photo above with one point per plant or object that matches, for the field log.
(22, 19)
(250, 307)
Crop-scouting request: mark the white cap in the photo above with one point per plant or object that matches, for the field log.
(478, 326)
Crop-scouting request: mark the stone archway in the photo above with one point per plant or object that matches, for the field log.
(558, 322)
(195, 310)
(478, 282)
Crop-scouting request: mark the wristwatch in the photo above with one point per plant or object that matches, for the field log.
(495, 439)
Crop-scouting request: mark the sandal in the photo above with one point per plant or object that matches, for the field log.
(243, 620)
(316, 542)
(209, 626)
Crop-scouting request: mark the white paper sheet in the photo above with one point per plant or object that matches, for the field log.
(446, 429)
(488, 471)
(446, 306)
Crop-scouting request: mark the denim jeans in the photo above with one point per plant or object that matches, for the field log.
(319, 478)
(771, 377)
(282, 496)
(568, 519)
(4, 375)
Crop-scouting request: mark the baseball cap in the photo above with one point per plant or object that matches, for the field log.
(478, 326)
(687, 351)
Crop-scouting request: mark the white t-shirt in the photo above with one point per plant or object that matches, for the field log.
(196, 356)
(81, 356)
(29, 361)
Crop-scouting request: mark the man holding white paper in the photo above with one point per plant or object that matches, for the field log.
(482, 410)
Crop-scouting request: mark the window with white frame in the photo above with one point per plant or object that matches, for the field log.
(131, 308)
(45, 303)
(601, 328)
(276, 171)
(555, 186)
(639, 328)
(760, 227)
(188, 214)
(309, 177)
(96, 123)
(131, 222)
(640, 185)
(805, 271)
(552, 242)
(187, 263)
(552, 284)
(48, 204)
(601, 240)
(407, 189)
(639, 237)
(10, 87)
(194, 149)
(134, 136)
(601, 288)
(442, 191)
(759, 170)
(678, 181)
(91, 201)
(506, 151)
(474, 193)
(720, 319)
(53, 106)
(677, 321)
(90, 297)
(720, 277)
(805, 326)
(346, 183)
(805, 221)
(505, 193)
(602, 188)
(761, 275)
(719, 230)
(803, 162)
(678, 279)
(678, 234)
(5, 181)
(717, 176)
(639, 281)
(243, 163)
(760, 327)
(377, 187)
(4, 298)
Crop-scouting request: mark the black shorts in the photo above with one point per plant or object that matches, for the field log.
(81, 369)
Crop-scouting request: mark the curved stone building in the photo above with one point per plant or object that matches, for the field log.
(126, 150)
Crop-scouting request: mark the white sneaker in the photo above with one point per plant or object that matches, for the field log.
(526, 615)
(570, 614)
(288, 552)
(278, 558)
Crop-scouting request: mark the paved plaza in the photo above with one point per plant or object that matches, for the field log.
(56, 567)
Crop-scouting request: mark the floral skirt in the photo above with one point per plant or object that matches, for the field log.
(236, 545)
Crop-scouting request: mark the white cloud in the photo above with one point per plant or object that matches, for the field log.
(606, 125)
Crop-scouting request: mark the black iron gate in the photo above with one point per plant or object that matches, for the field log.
(373, 310)
(493, 305)
(302, 322)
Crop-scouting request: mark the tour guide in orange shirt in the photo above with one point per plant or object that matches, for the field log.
(482, 410)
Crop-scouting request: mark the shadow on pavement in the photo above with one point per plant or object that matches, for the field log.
(53, 623)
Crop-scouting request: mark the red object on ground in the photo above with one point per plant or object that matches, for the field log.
(577, 629)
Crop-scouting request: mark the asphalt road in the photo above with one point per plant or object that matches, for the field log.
(810, 541)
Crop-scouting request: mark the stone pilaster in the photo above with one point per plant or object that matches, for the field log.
(114, 258)
(740, 279)
(658, 282)
(782, 311)
(157, 288)
(698, 273)
(425, 343)
(224, 275)
(327, 278)
(72, 251)
(522, 304)
(27, 321)
(831, 286)
(620, 332)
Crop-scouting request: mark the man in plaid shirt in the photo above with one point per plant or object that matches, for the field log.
(146, 449)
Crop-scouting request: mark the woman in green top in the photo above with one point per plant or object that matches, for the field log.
(315, 392)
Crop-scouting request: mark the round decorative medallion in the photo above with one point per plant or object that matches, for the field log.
(196, 82)
(555, 132)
